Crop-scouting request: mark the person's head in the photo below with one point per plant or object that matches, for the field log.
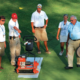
(65, 17)
(39, 7)
(2, 20)
(73, 19)
(14, 17)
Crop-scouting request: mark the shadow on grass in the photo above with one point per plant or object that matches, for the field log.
(53, 64)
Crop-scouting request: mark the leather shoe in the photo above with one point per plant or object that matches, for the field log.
(78, 65)
(68, 67)
(14, 65)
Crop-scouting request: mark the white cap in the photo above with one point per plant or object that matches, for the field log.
(39, 6)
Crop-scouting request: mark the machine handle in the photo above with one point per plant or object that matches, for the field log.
(28, 37)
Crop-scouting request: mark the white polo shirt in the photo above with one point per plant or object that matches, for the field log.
(38, 18)
(64, 28)
(2, 33)
(12, 31)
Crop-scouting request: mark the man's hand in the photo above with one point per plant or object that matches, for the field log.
(45, 26)
(33, 30)
(5, 44)
(19, 36)
(57, 38)
(19, 31)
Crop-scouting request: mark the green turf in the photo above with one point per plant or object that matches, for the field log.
(53, 65)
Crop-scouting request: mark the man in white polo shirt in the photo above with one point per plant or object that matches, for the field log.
(14, 35)
(39, 27)
(2, 38)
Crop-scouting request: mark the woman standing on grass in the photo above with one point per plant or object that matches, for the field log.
(63, 30)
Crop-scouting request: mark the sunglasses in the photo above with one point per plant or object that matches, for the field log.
(71, 20)
(3, 20)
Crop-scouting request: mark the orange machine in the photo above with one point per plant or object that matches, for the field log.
(23, 66)
(21, 63)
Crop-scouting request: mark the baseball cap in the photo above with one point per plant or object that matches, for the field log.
(39, 6)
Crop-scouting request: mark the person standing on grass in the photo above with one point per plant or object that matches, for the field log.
(39, 27)
(63, 31)
(2, 38)
(14, 35)
(74, 41)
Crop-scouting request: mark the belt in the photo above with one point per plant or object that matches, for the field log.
(1, 42)
(75, 40)
(38, 27)
(12, 37)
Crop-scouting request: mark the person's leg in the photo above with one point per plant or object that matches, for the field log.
(12, 50)
(0, 61)
(66, 48)
(76, 44)
(2, 49)
(12, 53)
(45, 39)
(70, 56)
(45, 43)
(71, 51)
(38, 36)
(18, 47)
(38, 45)
(47, 51)
(62, 46)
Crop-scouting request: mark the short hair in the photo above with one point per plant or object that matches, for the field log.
(74, 17)
(2, 17)
(65, 15)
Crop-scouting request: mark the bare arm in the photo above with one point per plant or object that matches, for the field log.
(46, 23)
(57, 37)
(19, 31)
(32, 25)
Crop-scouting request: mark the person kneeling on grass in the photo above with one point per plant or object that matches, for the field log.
(2, 38)
(63, 26)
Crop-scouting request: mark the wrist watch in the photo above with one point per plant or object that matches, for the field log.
(46, 24)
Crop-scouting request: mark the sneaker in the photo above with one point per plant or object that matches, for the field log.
(61, 53)
(39, 52)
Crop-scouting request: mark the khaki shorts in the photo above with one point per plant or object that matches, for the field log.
(40, 34)
(2, 48)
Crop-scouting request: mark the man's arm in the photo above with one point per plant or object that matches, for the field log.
(46, 23)
(57, 37)
(19, 31)
(5, 44)
(32, 25)
(32, 22)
